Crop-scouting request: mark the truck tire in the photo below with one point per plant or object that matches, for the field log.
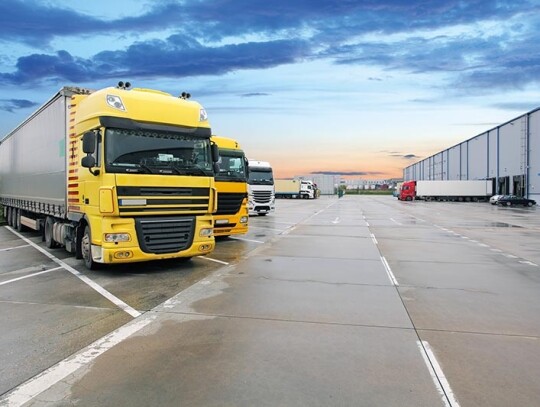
(86, 249)
(20, 226)
(409, 198)
(48, 233)
(8, 215)
(14, 218)
(508, 203)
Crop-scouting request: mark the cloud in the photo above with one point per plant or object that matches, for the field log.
(37, 24)
(10, 105)
(259, 37)
(405, 156)
(178, 56)
(516, 106)
(253, 94)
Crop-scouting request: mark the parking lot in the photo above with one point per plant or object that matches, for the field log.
(325, 302)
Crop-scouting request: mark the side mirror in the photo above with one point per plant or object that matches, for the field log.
(216, 168)
(89, 142)
(246, 165)
(88, 161)
(215, 153)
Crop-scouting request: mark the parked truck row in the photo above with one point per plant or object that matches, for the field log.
(124, 175)
(115, 175)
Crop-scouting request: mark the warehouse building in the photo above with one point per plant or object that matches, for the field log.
(508, 154)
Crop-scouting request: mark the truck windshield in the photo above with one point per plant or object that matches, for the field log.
(152, 152)
(260, 176)
(231, 166)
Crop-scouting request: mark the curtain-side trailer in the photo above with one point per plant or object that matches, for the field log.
(302, 189)
(116, 175)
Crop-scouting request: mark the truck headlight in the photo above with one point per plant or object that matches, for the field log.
(203, 116)
(244, 219)
(116, 102)
(117, 237)
(206, 232)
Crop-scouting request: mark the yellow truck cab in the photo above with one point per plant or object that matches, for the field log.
(116, 175)
(231, 217)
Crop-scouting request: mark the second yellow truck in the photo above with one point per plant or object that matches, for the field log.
(231, 217)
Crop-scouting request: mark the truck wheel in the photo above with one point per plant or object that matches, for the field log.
(508, 203)
(86, 250)
(8, 215)
(409, 198)
(48, 232)
(529, 203)
(20, 226)
(14, 218)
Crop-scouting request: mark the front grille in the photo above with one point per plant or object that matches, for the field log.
(262, 196)
(165, 235)
(162, 191)
(148, 199)
(229, 203)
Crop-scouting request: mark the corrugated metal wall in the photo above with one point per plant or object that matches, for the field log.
(509, 154)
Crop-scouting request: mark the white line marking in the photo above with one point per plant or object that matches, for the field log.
(215, 260)
(115, 300)
(510, 256)
(437, 375)
(13, 248)
(289, 230)
(259, 227)
(496, 250)
(464, 237)
(373, 238)
(245, 240)
(530, 263)
(48, 378)
(396, 222)
(483, 245)
(473, 241)
(336, 221)
(389, 273)
(367, 224)
(29, 275)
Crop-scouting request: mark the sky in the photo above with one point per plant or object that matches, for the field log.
(356, 88)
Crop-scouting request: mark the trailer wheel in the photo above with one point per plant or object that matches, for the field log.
(14, 218)
(8, 215)
(86, 250)
(48, 233)
(20, 226)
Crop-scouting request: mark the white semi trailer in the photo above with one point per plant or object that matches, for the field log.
(447, 190)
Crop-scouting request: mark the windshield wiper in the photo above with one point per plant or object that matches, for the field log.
(146, 167)
(192, 170)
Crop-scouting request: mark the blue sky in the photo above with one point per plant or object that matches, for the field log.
(361, 88)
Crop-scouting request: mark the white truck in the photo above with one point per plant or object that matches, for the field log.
(448, 190)
(261, 192)
(304, 189)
